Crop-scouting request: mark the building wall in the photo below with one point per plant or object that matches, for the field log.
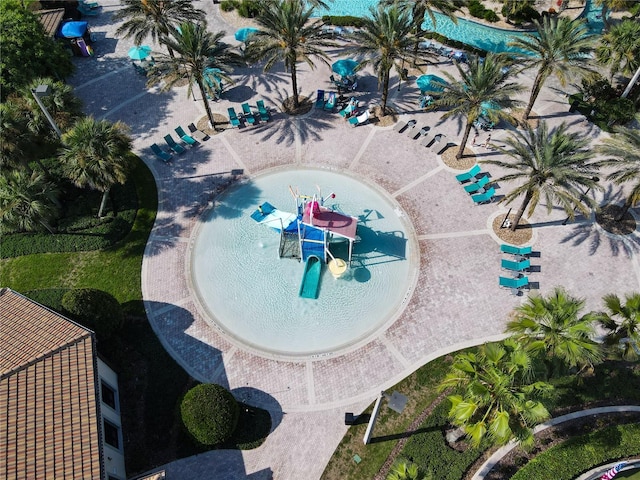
(109, 395)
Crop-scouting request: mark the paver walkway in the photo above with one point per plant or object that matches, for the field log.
(456, 301)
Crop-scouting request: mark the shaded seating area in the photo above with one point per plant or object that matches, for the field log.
(179, 149)
(331, 102)
(233, 117)
(247, 114)
(320, 99)
(349, 109)
(188, 139)
(161, 154)
(265, 116)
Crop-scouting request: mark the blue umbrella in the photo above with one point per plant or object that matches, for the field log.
(486, 106)
(425, 83)
(243, 34)
(140, 52)
(344, 67)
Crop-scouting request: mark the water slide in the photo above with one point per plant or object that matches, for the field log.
(311, 277)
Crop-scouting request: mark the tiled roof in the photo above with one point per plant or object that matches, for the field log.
(48, 394)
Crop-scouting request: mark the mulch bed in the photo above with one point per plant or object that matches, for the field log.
(608, 217)
(220, 124)
(520, 236)
(467, 161)
(304, 106)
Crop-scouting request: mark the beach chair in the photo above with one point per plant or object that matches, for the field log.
(400, 126)
(518, 251)
(519, 266)
(197, 134)
(515, 284)
(233, 117)
(349, 109)
(436, 141)
(485, 197)
(426, 140)
(360, 120)
(331, 102)
(477, 186)
(248, 114)
(411, 131)
(320, 99)
(467, 176)
(161, 154)
(262, 110)
(188, 139)
(173, 145)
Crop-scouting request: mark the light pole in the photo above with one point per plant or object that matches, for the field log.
(43, 91)
(596, 180)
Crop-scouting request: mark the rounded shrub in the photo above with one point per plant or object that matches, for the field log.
(95, 309)
(209, 413)
(249, 8)
(228, 5)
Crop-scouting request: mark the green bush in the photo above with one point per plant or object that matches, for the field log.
(228, 5)
(249, 8)
(209, 413)
(490, 16)
(95, 309)
(343, 21)
(479, 11)
(525, 14)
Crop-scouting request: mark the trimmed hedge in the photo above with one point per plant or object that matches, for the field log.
(343, 20)
(210, 413)
(578, 454)
(480, 11)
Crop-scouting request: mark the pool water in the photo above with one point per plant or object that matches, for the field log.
(252, 294)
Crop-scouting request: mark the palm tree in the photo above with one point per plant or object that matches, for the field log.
(484, 86)
(624, 335)
(96, 155)
(383, 41)
(196, 49)
(14, 138)
(406, 470)
(608, 5)
(287, 34)
(623, 148)
(554, 327)
(619, 48)
(561, 46)
(27, 202)
(155, 18)
(552, 166)
(496, 394)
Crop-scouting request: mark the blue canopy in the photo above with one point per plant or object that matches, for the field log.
(344, 67)
(243, 34)
(486, 106)
(73, 29)
(425, 83)
(140, 52)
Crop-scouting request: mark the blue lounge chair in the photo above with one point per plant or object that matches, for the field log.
(173, 145)
(349, 109)
(515, 284)
(467, 176)
(320, 99)
(262, 110)
(485, 197)
(248, 114)
(520, 266)
(360, 120)
(186, 138)
(476, 186)
(161, 154)
(520, 251)
(331, 102)
(233, 118)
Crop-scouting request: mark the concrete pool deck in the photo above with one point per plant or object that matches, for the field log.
(456, 303)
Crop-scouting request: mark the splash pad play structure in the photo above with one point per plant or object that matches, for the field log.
(247, 275)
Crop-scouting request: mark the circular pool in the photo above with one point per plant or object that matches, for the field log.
(250, 293)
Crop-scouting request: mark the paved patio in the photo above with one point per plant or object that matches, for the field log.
(456, 301)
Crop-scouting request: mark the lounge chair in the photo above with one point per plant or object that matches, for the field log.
(89, 4)
(320, 99)
(87, 11)
(411, 131)
(248, 114)
(515, 284)
(467, 176)
(233, 117)
(360, 120)
(262, 110)
(186, 138)
(426, 140)
(400, 126)
(520, 251)
(197, 134)
(485, 197)
(161, 154)
(436, 140)
(519, 266)
(331, 102)
(173, 145)
(477, 186)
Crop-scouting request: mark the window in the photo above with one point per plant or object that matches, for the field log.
(109, 396)
(111, 434)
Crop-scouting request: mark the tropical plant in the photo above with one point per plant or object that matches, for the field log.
(27, 202)
(619, 48)
(197, 50)
(484, 87)
(560, 46)
(14, 137)
(288, 34)
(96, 154)
(623, 324)
(611, 5)
(551, 166)
(623, 150)
(406, 470)
(554, 327)
(496, 394)
(210, 413)
(383, 42)
(155, 18)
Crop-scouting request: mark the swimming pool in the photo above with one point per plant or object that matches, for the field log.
(246, 290)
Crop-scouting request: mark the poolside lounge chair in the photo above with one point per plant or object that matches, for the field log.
(197, 134)
(331, 102)
(426, 140)
(161, 154)
(467, 176)
(436, 141)
(233, 117)
(349, 109)
(360, 120)
(173, 145)
(188, 139)
(485, 197)
(519, 251)
(320, 99)
(518, 266)
(515, 284)
(477, 186)
(248, 114)
(411, 131)
(262, 110)
(400, 126)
